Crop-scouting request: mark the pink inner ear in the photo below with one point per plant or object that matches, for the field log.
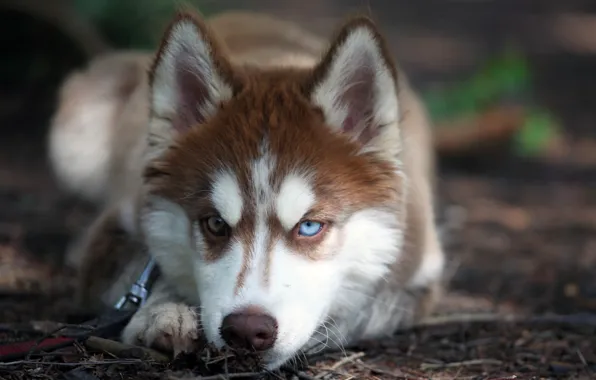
(358, 98)
(193, 90)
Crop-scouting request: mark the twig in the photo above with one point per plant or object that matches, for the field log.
(360, 363)
(346, 360)
(578, 319)
(582, 358)
(584, 362)
(49, 326)
(124, 350)
(466, 363)
(340, 363)
(574, 319)
(301, 375)
(209, 361)
(81, 364)
(465, 318)
(235, 375)
(226, 371)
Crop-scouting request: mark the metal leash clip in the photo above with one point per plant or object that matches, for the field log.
(139, 291)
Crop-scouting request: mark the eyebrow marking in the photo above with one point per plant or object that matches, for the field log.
(296, 197)
(227, 197)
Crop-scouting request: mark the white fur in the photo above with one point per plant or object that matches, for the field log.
(295, 198)
(171, 325)
(433, 261)
(167, 229)
(299, 292)
(217, 281)
(431, 269)
(227, 197)
(359, 48)
(79, 145)
(261, 170)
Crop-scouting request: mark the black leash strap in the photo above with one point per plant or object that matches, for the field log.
(107, 324)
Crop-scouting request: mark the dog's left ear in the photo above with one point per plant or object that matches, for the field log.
(190, 77)
(355, 83)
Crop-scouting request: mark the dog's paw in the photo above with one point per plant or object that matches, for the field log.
(172, 327)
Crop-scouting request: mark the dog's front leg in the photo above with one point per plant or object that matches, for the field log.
(164, 322)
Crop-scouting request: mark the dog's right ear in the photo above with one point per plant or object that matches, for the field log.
(190, 77)
(355, 85)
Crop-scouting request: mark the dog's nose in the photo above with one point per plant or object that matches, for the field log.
(250, 329)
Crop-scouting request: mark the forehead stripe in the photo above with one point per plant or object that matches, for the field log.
(295, 198)
(227, 198)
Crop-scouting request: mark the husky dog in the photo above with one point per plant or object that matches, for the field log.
(283, 184)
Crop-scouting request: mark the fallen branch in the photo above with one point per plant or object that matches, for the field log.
(489, 127)
(78, 364)
(340, 363)
(466, 363)
(380, 371)
(466, 318)
(585, 319)
(219, 377)
(122, 350)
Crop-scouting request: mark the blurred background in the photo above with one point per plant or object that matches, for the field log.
(509, 83)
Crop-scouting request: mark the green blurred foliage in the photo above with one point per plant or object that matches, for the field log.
(538, 131)
(136, 23)
(507, 77)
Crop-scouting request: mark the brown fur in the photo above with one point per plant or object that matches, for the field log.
(109, 249)
(358, 181)
(273, 104)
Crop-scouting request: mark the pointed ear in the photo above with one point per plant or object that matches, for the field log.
(355, 84)
(190, 77)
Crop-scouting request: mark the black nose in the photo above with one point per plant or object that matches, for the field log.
(250, 329)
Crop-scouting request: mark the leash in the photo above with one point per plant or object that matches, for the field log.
(108, 324)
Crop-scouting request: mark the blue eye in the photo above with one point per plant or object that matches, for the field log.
(310, 228)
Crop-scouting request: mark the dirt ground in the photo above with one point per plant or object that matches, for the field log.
(520, 235)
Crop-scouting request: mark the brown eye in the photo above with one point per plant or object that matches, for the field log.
(216, 226)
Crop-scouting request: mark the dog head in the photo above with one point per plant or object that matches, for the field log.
(273, 197)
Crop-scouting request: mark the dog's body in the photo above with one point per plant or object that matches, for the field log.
(273, 180)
